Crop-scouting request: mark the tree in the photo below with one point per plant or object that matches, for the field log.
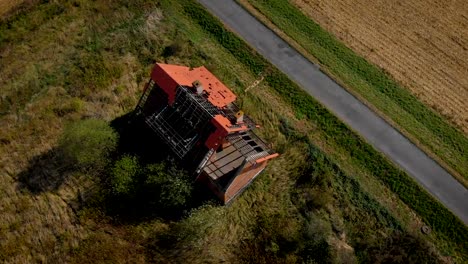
(172, 186)
(88, 143)
(123, 175)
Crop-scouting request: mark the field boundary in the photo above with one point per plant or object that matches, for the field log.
(442, 221)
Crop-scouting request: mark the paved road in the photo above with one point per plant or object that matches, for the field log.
(368, 124)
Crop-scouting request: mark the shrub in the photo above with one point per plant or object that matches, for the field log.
(87, 144)
(123, 175)
(172, 186)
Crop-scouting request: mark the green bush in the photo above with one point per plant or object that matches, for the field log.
(123, 175)
(172, 187)
(87, 144)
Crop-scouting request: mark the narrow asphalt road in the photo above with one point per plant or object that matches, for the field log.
(367, 123)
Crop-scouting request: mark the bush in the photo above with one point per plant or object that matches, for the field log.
(157, 189)
(172, 186)
(123, 175)
(87, 144)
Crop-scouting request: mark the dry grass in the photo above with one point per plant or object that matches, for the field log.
(7, 5)
(422, 44)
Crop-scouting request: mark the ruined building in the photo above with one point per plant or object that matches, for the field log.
(194, 114)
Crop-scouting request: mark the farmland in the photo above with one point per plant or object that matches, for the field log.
(67, 61)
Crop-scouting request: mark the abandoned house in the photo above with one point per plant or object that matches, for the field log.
(194, 114)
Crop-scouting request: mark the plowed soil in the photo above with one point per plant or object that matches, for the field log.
(423, 44)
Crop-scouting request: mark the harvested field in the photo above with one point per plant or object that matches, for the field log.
(422, 44)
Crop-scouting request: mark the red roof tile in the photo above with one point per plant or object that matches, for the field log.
(218, 94)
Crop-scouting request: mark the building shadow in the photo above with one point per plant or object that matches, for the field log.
(47, 172)
(137, 139)
(141, 207)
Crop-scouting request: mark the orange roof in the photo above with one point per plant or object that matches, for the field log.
(218, 94)
(227, 126)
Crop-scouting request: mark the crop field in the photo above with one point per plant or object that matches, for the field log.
(422, 44)
(62, 62)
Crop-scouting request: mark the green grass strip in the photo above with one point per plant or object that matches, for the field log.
(442, 221)
(320, 162)
(371, 83)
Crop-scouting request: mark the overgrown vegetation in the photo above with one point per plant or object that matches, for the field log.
(123, 175)
(372, 84)
(129, 212)
(88, 144)
(155, 188)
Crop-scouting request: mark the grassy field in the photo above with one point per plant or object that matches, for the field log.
(64, 61)
(373, 85)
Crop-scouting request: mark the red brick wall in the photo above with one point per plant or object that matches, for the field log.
(243, 179)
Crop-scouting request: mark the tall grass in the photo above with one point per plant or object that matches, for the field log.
(434, 214)
(371, 83)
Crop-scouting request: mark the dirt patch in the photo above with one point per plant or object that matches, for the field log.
(422, 44)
